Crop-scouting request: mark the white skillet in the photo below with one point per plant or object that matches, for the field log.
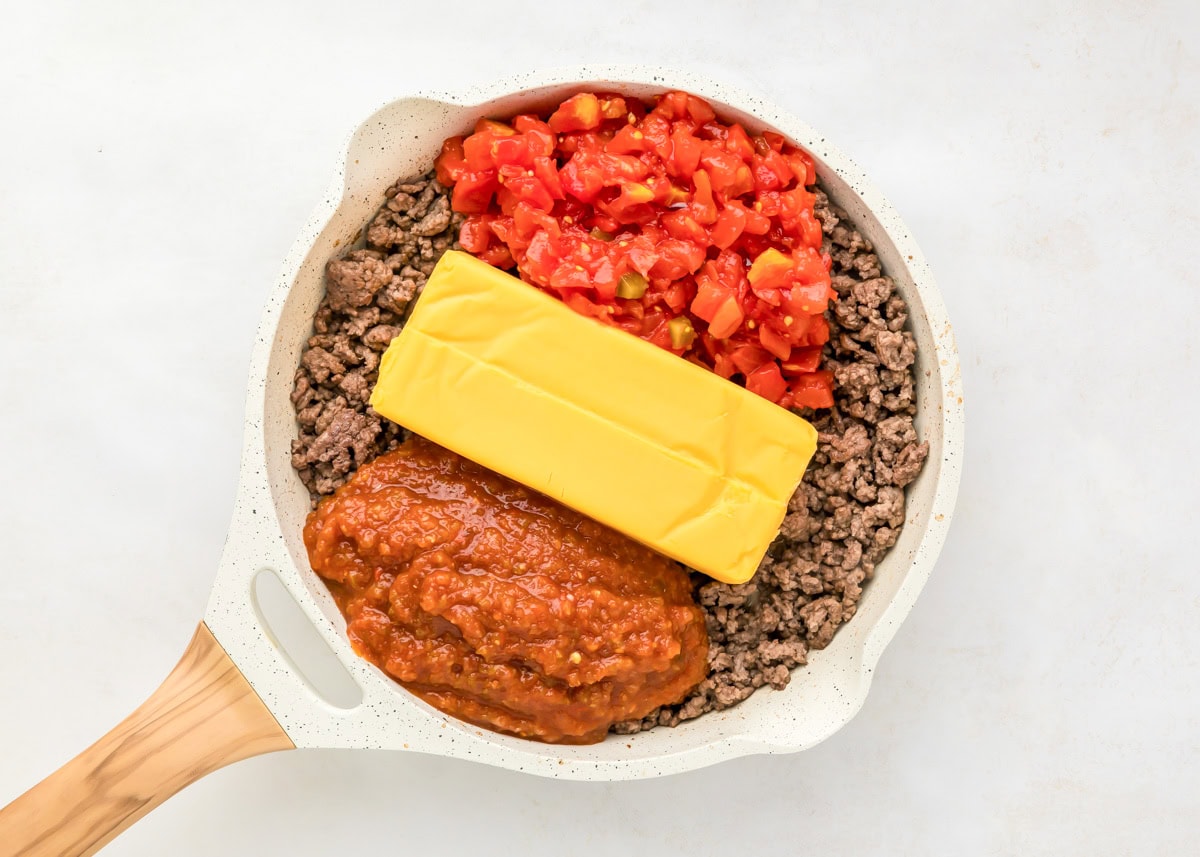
(235, 694)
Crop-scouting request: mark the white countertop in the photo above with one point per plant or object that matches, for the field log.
(1042, 698)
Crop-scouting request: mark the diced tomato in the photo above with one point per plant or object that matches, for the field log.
(632, 205)
(767, 381)
(501, 227)
(810, 177)
(723, 366)
(651, 319)
(699, 110)
(710, 295)
(765, 178)
(811, 229)
(713, 130)
(540, 258)
(603, 223)
(604, 280)
(528, 188)
(778, 165)
(768, 299)
(730, 223)
(659, 334)
(450, 164)
(619, 170)
(612, 107)
(528, 222)
(812, 390)
(682, 225)
(676, 296)
(476, 234)
(756, 223)
(775, 342)
(727, 319)
(676, 259)
(704, 209)
(582, 179)
(670, 195)
(641, 256)
(722, 168)
(802, 167)
(506, 200)
(737, 142)
(672, 105)
(584, 306)
(477, 149)
(719, 223)
(473, 191)
(658, 131)
(498, 256)
(770, 270)
(685, 153)
(490, 127)
(730, 271)
(569, 275)
(747, 357)
(815, 331)
(547, 174)
(512, 150)
(730, 177)
(581, 141)
(540, 136)
(789, 205)
(578, 113)
(801, 361)
(773, 140)
(769, 204)
(629, 140)
(808, 298)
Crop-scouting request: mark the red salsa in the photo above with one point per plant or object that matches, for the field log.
(499, 606)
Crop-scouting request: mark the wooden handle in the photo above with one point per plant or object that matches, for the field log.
(203, 717)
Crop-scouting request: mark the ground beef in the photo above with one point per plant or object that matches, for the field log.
(841, 521)
(367, 293)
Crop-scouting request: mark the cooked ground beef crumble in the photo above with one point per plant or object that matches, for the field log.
(367, 295)
(841, 521)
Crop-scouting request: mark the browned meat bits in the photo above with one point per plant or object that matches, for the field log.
(367, 295)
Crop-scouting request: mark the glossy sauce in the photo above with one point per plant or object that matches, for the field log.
(499, 606)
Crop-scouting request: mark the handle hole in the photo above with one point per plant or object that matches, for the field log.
(300, 644)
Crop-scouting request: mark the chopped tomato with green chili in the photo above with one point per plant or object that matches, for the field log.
(659, 218)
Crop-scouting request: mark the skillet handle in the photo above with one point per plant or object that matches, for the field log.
(203, 717)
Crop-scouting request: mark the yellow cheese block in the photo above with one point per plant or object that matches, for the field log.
(630, 435)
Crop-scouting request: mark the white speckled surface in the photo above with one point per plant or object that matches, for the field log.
(157, 161)
(401, 139)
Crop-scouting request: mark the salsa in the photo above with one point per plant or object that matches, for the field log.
(663, 220)
(499, 606)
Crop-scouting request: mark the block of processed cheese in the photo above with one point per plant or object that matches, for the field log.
(629, 434)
